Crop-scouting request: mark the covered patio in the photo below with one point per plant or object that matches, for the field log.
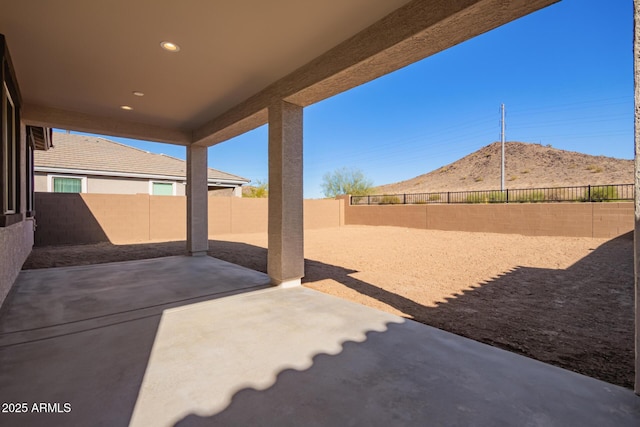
(196, 341)
(193, 341)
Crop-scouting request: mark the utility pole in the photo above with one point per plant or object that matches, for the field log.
(502, 125)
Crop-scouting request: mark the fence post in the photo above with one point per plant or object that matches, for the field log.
(589, 192)
(404, 199)
(368, 200)
(507, 195)
(448, 197)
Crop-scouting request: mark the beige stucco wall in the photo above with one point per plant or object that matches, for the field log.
(99, 185)
(106, 185)
(91, 218)
(40, 182)
(531, 219)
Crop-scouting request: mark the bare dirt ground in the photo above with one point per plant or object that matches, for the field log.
(562, 300)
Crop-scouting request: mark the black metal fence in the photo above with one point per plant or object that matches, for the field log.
(585, 193)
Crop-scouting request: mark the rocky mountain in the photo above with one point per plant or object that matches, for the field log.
(526, 166)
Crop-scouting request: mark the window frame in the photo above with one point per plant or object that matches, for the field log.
(173, 187)
(51, 177)
(12, 168)
(30, 179)
(9, 154)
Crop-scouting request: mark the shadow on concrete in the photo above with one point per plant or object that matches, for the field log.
(580, 318)
(409, 375)
(83, 335)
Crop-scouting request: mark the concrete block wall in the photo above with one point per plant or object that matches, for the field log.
(91, 218)
(530, 219)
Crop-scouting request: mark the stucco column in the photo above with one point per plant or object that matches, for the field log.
(636, 234)
(197, 201)
(285, 258)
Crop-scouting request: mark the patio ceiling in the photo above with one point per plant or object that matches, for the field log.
(78, 62)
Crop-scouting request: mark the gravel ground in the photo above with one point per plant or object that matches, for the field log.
(562, 300)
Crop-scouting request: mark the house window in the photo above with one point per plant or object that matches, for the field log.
(162, 188)
(67, 184)
(9, 153)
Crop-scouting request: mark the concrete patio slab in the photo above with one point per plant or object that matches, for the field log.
(271, 356)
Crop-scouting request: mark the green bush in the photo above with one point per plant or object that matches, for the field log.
(390, 200)
(258, 190)
(557, 194)
(487, 197)
(529, 196)
(602, 193)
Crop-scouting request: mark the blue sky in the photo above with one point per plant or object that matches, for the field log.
(565, 75)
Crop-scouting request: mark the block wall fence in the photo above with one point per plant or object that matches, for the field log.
(63, 219)
(598, 219)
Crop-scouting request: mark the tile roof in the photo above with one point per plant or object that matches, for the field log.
(91, 153)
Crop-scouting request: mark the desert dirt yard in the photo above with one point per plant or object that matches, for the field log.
(566, 301)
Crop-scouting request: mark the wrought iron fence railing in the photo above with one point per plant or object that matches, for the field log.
(585, 193)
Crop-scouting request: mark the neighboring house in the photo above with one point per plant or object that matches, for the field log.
(89, 164)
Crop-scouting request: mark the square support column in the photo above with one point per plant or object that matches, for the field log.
(636, 232)
(285, 257)
(197, 201)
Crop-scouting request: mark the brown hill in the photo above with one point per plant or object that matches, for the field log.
(526, 166)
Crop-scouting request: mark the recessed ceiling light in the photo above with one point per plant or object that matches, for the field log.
(126, 107)
(171, 47)
(138, 93)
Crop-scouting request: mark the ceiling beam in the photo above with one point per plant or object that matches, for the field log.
(35, 115)
(415, 31)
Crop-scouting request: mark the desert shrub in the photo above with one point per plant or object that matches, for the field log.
(434, 197)
(475, 198)
(497, 196)
(557, 194)
(359, 200)
(513, 178)
(389, 200)
(487, 197)
(594, 169)
(259, 189)
(529, 196)
(477, 179)
(602, 192)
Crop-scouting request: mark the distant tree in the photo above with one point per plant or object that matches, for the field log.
(346, 181)
(259, 189)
